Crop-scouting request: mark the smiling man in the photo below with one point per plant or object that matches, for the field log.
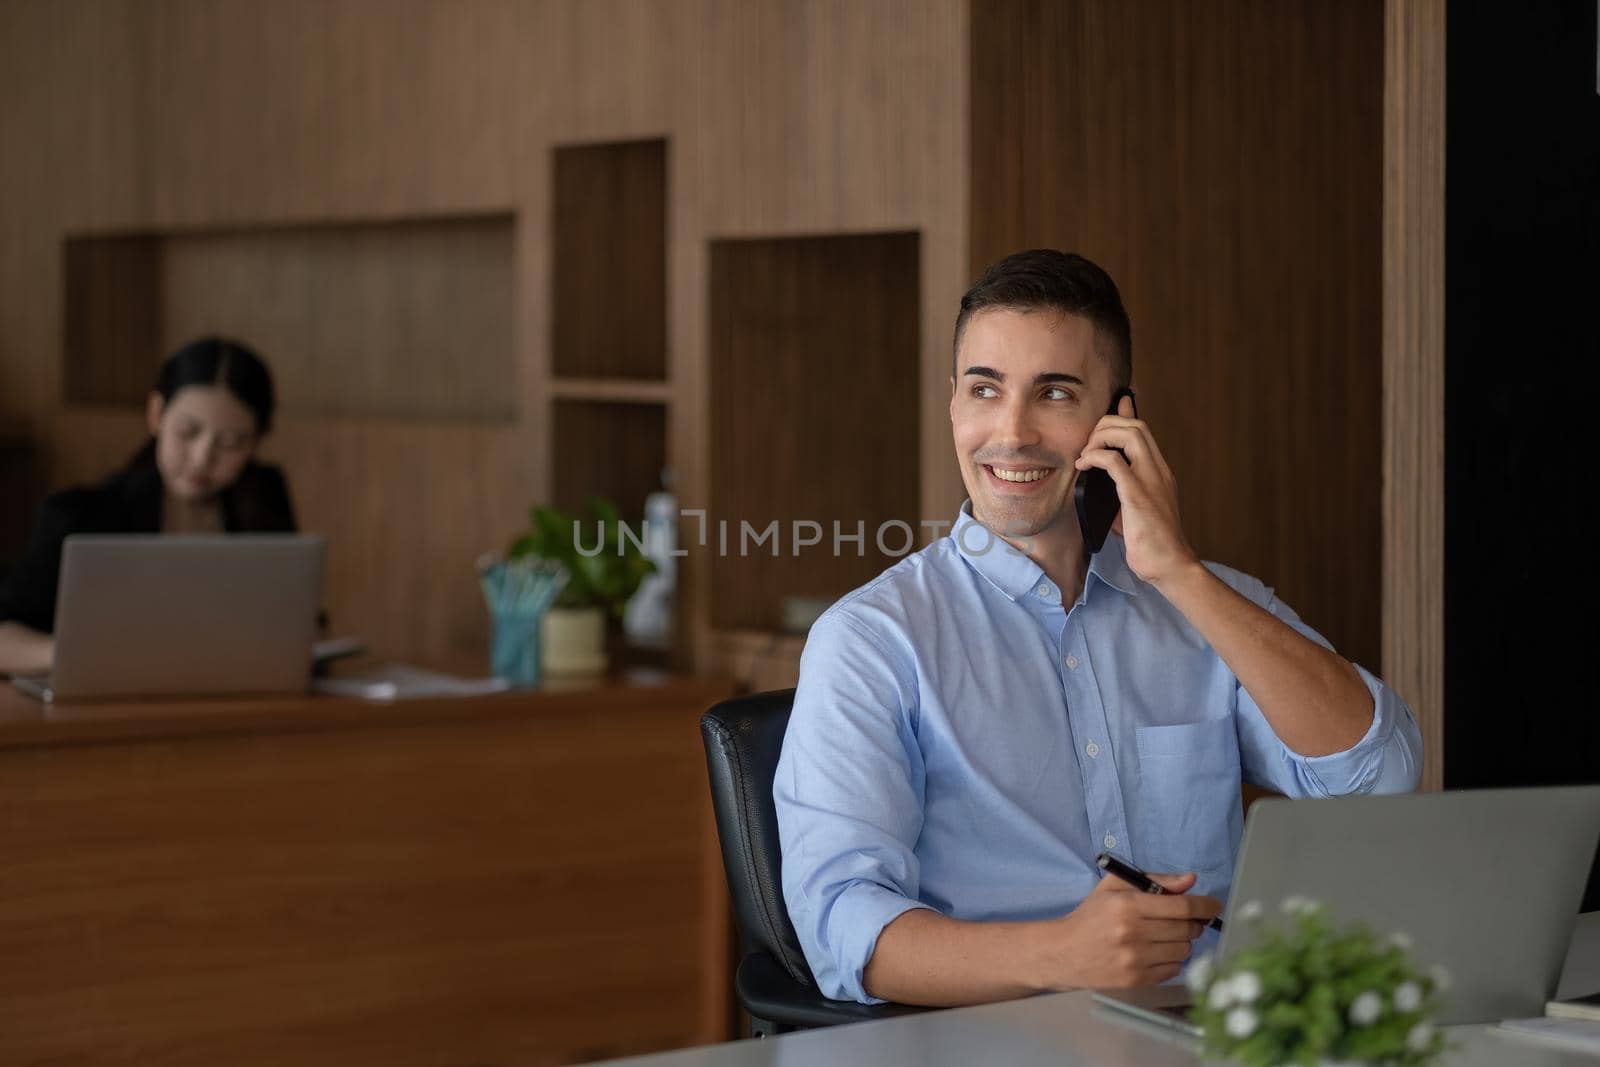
(981, 720)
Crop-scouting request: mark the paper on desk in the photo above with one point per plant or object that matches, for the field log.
(1579, 1034)
(398, 681)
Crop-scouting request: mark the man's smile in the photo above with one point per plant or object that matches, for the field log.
(1018, 476)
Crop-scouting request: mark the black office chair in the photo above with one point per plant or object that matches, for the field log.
(743, 738)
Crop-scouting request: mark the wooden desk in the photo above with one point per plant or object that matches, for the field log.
(514, 879)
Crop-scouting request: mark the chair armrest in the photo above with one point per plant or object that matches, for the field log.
(768, 992)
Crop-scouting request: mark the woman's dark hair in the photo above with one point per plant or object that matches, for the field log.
(219, 361)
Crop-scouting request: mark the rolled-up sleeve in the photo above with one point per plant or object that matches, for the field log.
(1387, 759)
(849, 793)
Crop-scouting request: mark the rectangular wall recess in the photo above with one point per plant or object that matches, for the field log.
(408, 319)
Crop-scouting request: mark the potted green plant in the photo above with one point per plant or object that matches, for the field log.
(1313, 994)
(605, 567)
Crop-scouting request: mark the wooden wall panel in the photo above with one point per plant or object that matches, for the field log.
(111, 321)
(1222, 162)
(808, 333)
(1413, 365)
(308, 109)
(69, 158)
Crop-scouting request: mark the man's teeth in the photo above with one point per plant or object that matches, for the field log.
(1019, 476)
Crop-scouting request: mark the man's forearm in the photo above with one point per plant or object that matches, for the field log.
(1118, 937)
(926, 958)
(1313, 698)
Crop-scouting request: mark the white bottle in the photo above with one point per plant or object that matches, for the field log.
(647, 620)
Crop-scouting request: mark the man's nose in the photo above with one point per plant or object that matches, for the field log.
(1017, 429)
(205, 450)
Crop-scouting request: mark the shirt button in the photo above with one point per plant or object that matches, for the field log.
(1092, 749)
(1110, 841)
(1044, 592)
(1072, 663)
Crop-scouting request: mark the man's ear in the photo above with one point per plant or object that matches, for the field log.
(153, 408)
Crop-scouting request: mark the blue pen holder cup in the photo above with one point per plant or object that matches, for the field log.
(518, 593)
(514, 652)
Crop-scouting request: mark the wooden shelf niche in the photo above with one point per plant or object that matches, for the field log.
(815, 349)
(609, 311)
(614, 450)
(609, 394)
(408, 318)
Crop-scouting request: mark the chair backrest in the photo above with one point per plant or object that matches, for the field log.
(743, 739)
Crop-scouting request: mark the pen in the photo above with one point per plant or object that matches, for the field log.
(1137, 878)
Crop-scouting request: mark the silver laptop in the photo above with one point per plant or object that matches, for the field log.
(166, 616)
(1487, 884)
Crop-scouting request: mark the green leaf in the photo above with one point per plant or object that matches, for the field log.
(608, 578)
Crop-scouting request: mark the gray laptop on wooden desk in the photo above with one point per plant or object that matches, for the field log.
(1486, 883)
(140, 616)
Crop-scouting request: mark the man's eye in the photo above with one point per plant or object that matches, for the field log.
(1055, 392)
(983, 392)
(232, 442)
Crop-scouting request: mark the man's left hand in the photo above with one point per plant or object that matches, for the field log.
(1148, 520)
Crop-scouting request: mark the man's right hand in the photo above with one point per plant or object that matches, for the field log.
(1120, 936)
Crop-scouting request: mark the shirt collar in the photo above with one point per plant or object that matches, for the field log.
(1015, 574)
(1110, 565)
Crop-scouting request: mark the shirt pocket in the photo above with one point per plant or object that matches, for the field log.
(1188, 806)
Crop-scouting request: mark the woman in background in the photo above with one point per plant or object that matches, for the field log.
(211, 406)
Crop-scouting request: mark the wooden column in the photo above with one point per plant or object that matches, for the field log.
(1413, 365)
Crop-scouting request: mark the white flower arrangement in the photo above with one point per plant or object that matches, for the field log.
(1407, 996)
(1307, 993)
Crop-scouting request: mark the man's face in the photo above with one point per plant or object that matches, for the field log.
(1029, 389)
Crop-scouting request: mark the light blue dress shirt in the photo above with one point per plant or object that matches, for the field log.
(962, 741)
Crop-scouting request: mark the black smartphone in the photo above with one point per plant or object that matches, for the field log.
(1095, 494)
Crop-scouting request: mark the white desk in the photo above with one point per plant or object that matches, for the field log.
(1069, 1030)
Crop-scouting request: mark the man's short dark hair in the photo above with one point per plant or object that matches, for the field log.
(1044, 279)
